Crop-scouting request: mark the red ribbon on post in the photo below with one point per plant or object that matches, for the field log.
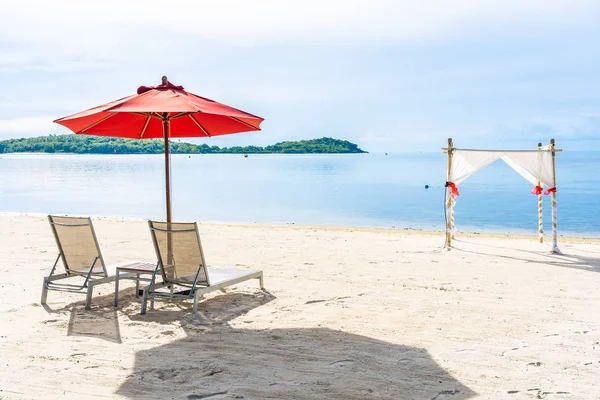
(551, 190)
(537, 190)
(453, 189)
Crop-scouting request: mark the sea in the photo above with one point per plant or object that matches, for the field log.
(395, 191)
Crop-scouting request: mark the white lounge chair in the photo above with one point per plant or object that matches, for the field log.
(182, 265)
(80, 254)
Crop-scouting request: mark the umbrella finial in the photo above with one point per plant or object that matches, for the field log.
(164, 79)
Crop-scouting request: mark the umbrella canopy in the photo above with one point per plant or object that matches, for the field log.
(163, 111)
(141, 116)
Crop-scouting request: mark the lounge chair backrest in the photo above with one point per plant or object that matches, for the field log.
(77, 244)
(179, 252)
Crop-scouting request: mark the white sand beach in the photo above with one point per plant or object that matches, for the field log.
(349, 314)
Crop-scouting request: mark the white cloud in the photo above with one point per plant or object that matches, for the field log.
(592, 115)
(570, 126)
(75, 36)
(63, 56)
(107, 26)
(70, 66)
(29, 126)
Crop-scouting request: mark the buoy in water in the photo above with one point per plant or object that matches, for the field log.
(426, 186)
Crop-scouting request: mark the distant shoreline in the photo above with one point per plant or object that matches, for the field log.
(469, 233)
(85, 144)
(41, 153)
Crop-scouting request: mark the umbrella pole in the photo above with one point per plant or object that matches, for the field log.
(166, 126)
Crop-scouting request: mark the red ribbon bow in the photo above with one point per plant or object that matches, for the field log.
(551, 190)
(453, 189)
(537, 190)
(168, 85)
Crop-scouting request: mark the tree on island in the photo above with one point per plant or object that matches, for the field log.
(84, 144)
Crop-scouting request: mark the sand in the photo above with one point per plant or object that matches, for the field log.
(348, 314)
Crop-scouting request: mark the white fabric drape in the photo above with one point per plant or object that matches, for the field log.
(533, 165)
(466, 163)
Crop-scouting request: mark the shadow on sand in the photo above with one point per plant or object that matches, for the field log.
(217, 361)
(581, 262)
(100, 322)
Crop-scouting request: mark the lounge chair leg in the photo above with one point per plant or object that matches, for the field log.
(44, 292)
(144, 301)
(137, 286)
(260, 282)
(88, 298)
(195, 307)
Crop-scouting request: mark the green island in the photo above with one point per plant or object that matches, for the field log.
(83, 144)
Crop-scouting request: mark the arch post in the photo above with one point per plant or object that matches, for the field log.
(540, 209)
(555, 248)
(449, 202)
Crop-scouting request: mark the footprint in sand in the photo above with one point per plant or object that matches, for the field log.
(535, 364)
(341, 363)
(217, 395)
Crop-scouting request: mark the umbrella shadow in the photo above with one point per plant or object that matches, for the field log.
(218, 361)
(581, 262)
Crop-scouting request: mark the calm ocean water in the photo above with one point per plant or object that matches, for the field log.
(367, 190)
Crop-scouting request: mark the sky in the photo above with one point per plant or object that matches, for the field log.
(391, 76)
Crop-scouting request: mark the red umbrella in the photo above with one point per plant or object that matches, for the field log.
(163, 111)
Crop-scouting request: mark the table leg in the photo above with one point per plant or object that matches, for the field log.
(117, 288)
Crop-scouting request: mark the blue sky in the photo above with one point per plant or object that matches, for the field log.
(388, 75)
